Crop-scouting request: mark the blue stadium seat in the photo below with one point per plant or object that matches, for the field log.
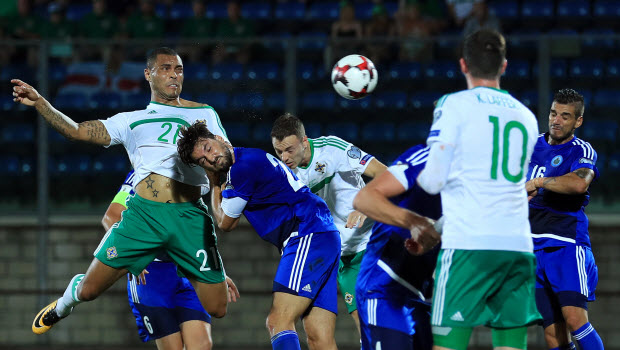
(198, 71)
(537, 9)
(110, 163)
(6, 102)
(256, 10)
(137, 100)
(573, 8)
(27, 165)
(324, 11)
(313, 130)
(518, 69)
(587, 68)
(601, 162)
(413, 131)
(424, 99)
(305, 70)
(311, 40)
(529, 98)
(505, 10)
(345, 130)
(318, 100)
(106, 100)
(606, 9)
(69, 165)
(599, 130)
(391, 7)
(238, 132)
(290, 11)
(613, 68)
(54, 137)
(613, 164)
(75, 12)
(378, 131)
(278, 43)
(261, 132)
(214, 99)
(17, 71)
(363, 10)
(362, 103)
(217, 10)
(181, 10)
(558, 68)
(276, 101)
(227, 71)
(18, 133)
(606, 98)
(10, 165)
(263, 71)
(442, 70)
(589, 43)
(524, 43)
(57, 72)
(393, 100)
(247, 100)
(161, 10)
(404, 70)
(71, 100)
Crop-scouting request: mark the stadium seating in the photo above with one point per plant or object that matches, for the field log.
(378, 131)
(289, 11)
(226, 71)
(218, 100)
(247, 100)
(345, 130)
(106, 100)
(181, 10)
(216, 10)
(263, 71)
(391, 100)
(256, 10)
(413, 131)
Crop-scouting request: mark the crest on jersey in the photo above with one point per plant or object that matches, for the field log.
(354, 152)
(111, 253)
(557, 160)
(202, 121)
(320, 168)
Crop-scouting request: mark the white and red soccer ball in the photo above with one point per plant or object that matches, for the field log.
(354, 77)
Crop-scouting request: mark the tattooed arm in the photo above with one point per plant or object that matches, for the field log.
(576, 182)
(92, 131)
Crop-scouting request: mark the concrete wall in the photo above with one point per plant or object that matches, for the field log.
(250, 261)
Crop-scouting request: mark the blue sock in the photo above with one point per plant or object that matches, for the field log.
(285, 340)
(587, 338)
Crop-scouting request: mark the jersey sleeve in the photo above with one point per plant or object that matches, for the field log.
(445, 122)
(352, 158)
(584, 156)
(239, 182)
(218, 129)
(118, 128)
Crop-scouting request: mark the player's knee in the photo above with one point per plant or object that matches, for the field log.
(318, 340)
(574, 321)
(86, 292)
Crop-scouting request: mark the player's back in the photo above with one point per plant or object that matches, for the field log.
(484, 199)
(387, 267)
(278, 203)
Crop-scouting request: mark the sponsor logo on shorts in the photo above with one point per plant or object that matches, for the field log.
(111, 253)
(307, 288)
(320, 168)
(348, 298)
(457, 317)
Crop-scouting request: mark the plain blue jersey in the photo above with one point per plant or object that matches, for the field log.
(278, 204)
(559, 219)
(388, 268)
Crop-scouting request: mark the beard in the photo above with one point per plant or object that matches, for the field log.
(225, 162)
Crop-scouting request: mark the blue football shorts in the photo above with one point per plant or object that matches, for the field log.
(565, 276)
(309, 268)
(164, 302)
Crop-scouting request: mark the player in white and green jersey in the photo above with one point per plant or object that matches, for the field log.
(333, 169)
(167, 194)
(480, 144)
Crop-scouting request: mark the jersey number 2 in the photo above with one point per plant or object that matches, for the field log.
(506, 149)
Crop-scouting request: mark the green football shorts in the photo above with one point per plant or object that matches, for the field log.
(348, 269)
(184, 230)
(494, 288)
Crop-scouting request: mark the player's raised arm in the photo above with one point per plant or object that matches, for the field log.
(92, 131)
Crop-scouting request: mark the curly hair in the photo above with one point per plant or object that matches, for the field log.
(570, 96)
(188, 139)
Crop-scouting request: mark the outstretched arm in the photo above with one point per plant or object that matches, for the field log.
(92, 131)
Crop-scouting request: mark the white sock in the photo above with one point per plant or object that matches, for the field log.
(69, 299)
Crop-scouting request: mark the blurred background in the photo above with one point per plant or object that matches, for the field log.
(252, 61)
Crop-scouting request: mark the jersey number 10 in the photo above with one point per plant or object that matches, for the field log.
(506, 149)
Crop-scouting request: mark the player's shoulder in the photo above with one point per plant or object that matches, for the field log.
(192, 104)
(582, 148)
(414, 155)
(329, 143)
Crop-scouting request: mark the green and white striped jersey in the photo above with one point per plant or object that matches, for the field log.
(335, 174)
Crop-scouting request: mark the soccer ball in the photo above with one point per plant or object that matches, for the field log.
(354, 77)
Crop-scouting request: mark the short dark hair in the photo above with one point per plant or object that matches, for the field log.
(151, 56)
(188, 139)
(570, 96)
(484, 52)
(287, 125)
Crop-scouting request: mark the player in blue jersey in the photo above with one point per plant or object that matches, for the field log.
(285, 213)
(560, 172)
(166, 309)
(394, 286)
